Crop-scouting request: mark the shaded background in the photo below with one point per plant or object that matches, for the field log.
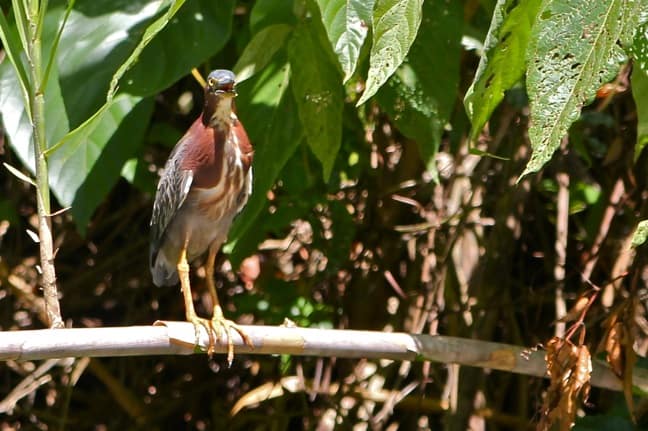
(401, 228)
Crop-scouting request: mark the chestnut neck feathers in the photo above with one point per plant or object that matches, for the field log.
(218, 110)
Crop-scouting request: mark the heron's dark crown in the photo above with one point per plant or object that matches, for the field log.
(221, 79)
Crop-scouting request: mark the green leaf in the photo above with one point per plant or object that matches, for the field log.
(415, 113)
(347, 23)
(639, 81)
(641, 233)
(267, 110)
(318, 93)
(13, 47)
(503, 62)
(15, 117)
(270, 12)
(565, 72)
(258, 53)
(117, 137)
(639, 48)
(198, 31)
(412, 97)
(97, 39)
(74, 160)
(151, 31)
(395, 24)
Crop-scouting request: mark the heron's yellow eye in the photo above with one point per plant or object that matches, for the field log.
(212, 82)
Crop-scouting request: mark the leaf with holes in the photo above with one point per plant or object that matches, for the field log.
(503, 62)
(639, 81)
(413, 98)
(318, 94)
(347, 23)
(565, 72)
(395, 25)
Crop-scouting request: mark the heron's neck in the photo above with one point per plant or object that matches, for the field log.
(219, 114)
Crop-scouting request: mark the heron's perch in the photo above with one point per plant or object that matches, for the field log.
(177, 338)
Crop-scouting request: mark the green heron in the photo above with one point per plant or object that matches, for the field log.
(206, 182)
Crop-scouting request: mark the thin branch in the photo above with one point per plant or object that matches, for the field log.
(177, 338)
(562, 227)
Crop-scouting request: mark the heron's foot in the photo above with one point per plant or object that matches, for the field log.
(217, 328)
(222, 326)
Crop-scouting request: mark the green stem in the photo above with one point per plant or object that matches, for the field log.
(37, 101)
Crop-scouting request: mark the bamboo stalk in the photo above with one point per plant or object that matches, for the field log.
(178, 338)
(37, 103)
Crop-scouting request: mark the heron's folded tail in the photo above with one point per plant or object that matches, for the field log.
(164, 272)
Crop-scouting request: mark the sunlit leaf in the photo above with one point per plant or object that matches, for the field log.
(503, 61)
(639, 81)
(641, 233)
(75, 159)
(639, 48)
(347, 23)
(12, 47)
(565, 72)
(151, 31)
(128, 119)
(199, 30)
(258, 53)
(395, 24)
(15, 118)
(318, 94)
(97, 39)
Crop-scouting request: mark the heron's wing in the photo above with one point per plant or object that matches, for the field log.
(172, 191)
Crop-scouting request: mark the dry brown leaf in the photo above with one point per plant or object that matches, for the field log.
(618, 345)
(614, 348)
(576, 310)
(569, 368)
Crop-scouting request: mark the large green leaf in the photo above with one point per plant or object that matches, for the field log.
(258, 53)
(395, 24)
(503, 61)
(128, 118)
(565, 72)
(318, 93)
(412, 97)
(160, 57)
(198, 31)
(270, 12)
(97, 39)
(13, 46)
(15, 118)
(74, 160)
(639, 51)
(640, 94)
(639, 47)
(268, 111)
(347, 23)
(101, 35)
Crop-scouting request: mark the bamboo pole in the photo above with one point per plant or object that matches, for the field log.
(178, 338)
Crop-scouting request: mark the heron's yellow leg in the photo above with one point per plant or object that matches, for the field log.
(190, 312)
(219, 324)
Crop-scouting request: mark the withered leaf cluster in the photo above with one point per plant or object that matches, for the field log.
(569, 367)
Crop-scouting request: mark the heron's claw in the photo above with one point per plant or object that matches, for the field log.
(216, 328)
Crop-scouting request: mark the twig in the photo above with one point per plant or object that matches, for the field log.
(562, 223)
(177, 338)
